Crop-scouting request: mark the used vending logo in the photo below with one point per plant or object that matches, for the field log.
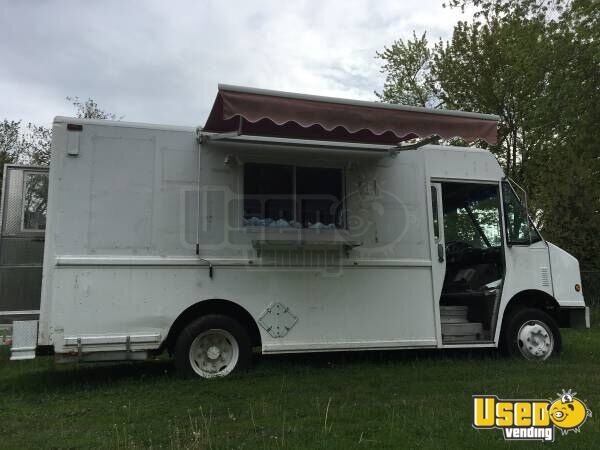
(530, 419)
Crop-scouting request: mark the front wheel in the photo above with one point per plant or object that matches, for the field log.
(212, 346)
(532, 334)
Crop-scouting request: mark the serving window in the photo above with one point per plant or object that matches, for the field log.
(286, 196)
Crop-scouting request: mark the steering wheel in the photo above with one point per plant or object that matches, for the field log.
(457, 246)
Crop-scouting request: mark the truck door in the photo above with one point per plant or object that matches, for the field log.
(473, 260)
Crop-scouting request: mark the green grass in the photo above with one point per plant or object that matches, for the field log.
(361, 400)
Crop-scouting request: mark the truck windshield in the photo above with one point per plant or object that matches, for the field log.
(519, 228)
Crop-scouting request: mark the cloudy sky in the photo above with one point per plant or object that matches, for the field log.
(161, 61)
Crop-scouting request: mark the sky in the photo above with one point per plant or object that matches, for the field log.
(162, 61)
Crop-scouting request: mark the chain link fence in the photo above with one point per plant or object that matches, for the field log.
(591, 287)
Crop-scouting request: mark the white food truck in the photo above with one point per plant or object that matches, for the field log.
(290, 223)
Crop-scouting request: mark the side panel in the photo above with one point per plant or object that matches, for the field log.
(565, 275)
(121, 246)
(342, 312)
(527, 268)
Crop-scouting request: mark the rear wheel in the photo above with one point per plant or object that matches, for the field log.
(532, 334)
(212, 346)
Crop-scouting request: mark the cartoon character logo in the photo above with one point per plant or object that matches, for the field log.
(568, 412)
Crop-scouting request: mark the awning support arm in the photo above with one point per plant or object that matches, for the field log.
(433, 139)
(203, 138)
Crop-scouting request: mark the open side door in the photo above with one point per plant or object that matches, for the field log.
(438, 252)
(469, 268)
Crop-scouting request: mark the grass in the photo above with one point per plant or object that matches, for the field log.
(404, 399)
(5, 332)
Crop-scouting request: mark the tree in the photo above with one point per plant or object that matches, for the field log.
(407, 69)
(30, 144)
(9, 137)
(536, 65)
(34, 145)
(564, 170)
(89, 109)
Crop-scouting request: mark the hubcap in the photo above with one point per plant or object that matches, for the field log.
(536, 340)
(214, 353)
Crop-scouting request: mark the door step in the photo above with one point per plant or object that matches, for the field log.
(465, 331)
(454, 314)
(456, 327)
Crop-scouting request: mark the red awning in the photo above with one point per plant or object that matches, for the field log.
(287, 115)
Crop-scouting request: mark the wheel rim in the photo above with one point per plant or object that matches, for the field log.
(535, 340)
(214, 353)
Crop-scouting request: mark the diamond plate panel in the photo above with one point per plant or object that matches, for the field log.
(13, 202)
(277, 320)
(24, 339)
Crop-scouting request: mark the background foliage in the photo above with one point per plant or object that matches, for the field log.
(30, 144)
(536, 64)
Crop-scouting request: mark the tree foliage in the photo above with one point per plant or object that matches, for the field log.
(9, 138)
(407, 66)
(536, 64)
(30, 144)
(25, 144)
(89, 109)
(34, 144)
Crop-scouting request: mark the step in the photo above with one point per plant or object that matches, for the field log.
(463, 331)
(453, 314)
(453, 319)
(454, 310)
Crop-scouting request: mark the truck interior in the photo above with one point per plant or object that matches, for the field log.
(474, 262)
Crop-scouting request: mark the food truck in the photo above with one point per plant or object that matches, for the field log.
(291, 223)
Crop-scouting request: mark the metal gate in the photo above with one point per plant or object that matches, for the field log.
(22, 227)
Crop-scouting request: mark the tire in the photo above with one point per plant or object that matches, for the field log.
(531, 334)
(212, 346)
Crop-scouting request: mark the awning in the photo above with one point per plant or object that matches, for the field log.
(263, 112)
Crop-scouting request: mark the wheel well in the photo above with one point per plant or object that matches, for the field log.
(533, 298)
(213, 306)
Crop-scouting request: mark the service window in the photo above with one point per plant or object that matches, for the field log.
(293, 197)
(35, 201)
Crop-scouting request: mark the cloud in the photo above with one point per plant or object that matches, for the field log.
(158, 61)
